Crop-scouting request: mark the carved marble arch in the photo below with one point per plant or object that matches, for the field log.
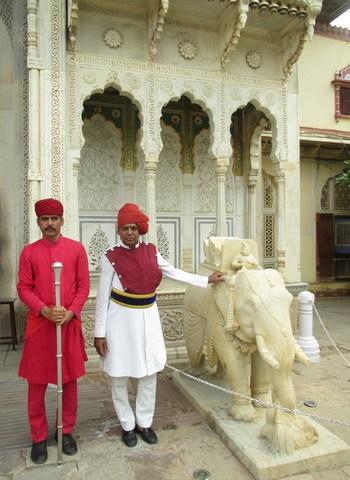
(259, 118)
(188, 119)
(201, 104)
(124, 115)
(122, 92)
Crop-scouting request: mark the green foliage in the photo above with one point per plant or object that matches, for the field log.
(344, 177)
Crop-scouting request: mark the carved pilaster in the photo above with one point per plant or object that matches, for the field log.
(151, 169)
(221, 172)
(252, 181)
(34, 134)
(281, 221)
(56, 129)
(32, 35)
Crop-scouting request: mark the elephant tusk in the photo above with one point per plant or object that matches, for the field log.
(265, 353)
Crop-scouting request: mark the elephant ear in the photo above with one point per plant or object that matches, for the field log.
(221, 295)
(195, 322)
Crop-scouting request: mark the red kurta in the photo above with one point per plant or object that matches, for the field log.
(36, 289)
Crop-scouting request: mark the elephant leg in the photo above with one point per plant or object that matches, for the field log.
(237, 368)
(220, 371)
(260, 381)
(283, 390)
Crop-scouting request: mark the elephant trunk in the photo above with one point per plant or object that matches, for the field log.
(265, 353)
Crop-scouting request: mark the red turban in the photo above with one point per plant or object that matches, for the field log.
(131, 213)
(48, 206)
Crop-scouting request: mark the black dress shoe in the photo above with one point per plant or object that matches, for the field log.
(38, 453)
(69, 445)
(148, 435)
(129, 438)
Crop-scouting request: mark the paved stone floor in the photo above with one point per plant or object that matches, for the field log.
(186, 443)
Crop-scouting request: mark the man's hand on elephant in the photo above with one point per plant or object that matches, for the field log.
(216, 277)
(101, 346)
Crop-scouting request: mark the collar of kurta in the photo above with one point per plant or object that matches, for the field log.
(46, 241)
(121, 244)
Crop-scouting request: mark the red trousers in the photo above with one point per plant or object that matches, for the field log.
(37, 414)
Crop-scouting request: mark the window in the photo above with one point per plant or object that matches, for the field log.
(342, 93)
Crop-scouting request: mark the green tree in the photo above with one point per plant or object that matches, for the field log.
(344, 177)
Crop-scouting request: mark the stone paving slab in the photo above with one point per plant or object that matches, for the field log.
(52, 459)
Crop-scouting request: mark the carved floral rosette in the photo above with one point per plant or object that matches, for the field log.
(113, 38)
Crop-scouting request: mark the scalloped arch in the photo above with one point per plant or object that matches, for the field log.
(198, 101)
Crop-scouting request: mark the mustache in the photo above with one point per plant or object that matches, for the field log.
(50, 228)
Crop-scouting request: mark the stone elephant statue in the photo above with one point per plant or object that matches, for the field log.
(242, 326)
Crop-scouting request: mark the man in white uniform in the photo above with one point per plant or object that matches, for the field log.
(128, 333)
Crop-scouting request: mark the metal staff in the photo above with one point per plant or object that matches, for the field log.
(57, 267)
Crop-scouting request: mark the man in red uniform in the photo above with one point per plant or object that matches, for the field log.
(36, 289)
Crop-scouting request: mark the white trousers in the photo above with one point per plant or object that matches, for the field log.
(145, 401)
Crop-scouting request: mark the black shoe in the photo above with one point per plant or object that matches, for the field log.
(38, 453)
(69, 445)
(148, 435)
(129, 438)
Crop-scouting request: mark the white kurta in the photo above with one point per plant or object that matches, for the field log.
(134, 336)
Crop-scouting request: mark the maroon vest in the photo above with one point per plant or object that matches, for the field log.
(137, 268)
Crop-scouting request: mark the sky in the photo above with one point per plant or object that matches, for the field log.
(343, 20)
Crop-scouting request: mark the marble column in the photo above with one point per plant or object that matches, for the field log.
(187, 234)
(252, 181)
(221, 171)
(151, 169)
(34, 65)
(281, 222)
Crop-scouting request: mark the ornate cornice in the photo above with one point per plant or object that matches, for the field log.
(324, 135)
(327, 30)
(104, 62)
(130, 13)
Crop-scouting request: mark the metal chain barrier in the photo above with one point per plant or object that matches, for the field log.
(330, 338)
(259, 402)
(265, 404)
